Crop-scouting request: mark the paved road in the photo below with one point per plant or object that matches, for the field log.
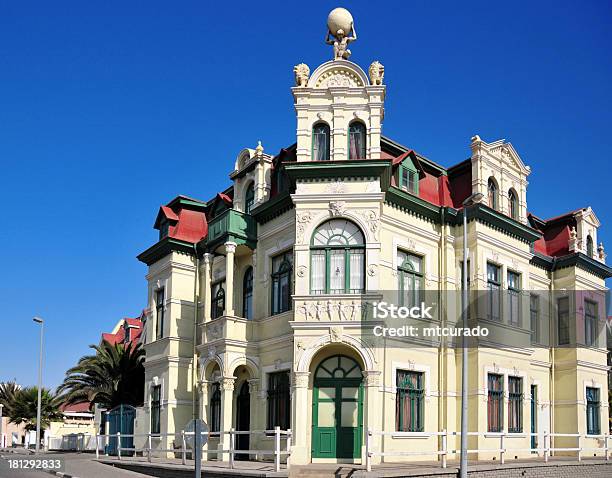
(77, 464)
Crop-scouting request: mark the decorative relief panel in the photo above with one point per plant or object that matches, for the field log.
(332, 310)
(303, 219)
(372, 220)
(338, 78)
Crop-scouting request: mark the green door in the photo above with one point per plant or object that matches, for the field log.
(337, 409)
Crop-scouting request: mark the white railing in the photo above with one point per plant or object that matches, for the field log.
(71, 442)
(149, 450)
(443, 450)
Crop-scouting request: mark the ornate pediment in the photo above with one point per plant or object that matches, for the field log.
(502, 151)
(338, 74)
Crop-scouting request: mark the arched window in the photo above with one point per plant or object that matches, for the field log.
(339, 366)
(410, 277)
(218, 301)
(215, 408)
(492, 190)
(249, 199)
(589, 246)
(282, 266)
(320, 142)
(337, 256)
(357, 140)
(247, 294)
(512, 204)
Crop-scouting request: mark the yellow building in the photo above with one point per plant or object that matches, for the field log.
(288, 264)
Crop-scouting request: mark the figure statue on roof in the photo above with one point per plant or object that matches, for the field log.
(341, 27)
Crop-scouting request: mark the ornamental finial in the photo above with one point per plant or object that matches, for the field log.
(259, 150)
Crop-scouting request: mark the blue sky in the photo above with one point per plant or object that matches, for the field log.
(108, 111)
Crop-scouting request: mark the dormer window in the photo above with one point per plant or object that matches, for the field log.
(320, 142)
(163, 229)
(408, 180)
(357, 141)
(408, 176)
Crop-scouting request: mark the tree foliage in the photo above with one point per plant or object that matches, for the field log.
(23, 408)
(114, 375)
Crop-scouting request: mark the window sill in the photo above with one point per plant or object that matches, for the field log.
(411, 435)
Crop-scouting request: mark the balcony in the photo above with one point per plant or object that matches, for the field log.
(232, 225)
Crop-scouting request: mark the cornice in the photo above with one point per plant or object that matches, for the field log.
(272, 208)
(352, 168)
(163, 248)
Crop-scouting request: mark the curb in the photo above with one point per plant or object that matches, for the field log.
(61, 473)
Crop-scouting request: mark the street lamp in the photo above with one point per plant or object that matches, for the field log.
(1, 436)
(474, 198)
(40, 321)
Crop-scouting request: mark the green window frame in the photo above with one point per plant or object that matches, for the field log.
(515, 405)
(534, 317)
(590, 323)
(592, 411)
(493, 292)
(321, 142)
(495, 402)
(409, 401)
(282, 268)
(514, 298)
(160, 296)
(563, 323)
(408, 178)
(155, 409)
(279, 401)
(410, 278)
(357, 140)
(337, 258)
(247, 294)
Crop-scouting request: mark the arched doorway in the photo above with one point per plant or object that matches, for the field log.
(243, 422)
(337, 409)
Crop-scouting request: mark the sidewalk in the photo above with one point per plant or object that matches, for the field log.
(556, 467)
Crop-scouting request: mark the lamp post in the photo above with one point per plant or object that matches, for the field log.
(474, 198)
(40, 321)
(1, 436)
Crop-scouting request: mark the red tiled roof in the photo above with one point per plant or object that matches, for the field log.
(82, 407)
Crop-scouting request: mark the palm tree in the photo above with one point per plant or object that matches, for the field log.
(113, 376)
(24, 407)
(8, 390)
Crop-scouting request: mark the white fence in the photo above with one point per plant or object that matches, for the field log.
(72, 442)
(443, 450)
(100, 441)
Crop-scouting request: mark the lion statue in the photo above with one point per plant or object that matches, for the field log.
(302, 72)
(377, 73)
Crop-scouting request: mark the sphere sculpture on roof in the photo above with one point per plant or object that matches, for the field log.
(341, 27)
